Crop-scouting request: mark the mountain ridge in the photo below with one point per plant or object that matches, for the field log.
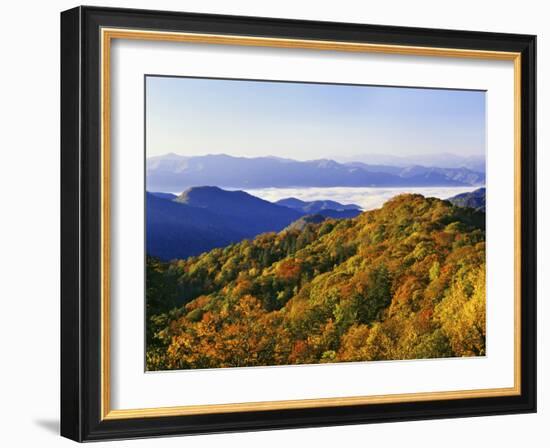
(315, 206)
(177, 173)
(474, 199)
(203, 218)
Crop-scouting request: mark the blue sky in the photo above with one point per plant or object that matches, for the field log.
(302, 121)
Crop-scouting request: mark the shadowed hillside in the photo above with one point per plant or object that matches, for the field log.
(474, 199)
(203, 218)
(176, 229)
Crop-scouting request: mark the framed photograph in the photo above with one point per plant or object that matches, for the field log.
(273, 223)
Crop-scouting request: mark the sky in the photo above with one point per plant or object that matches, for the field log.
(301, 121)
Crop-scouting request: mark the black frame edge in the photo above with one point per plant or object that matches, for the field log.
(80, 229)
(529, 223)
(71, 384)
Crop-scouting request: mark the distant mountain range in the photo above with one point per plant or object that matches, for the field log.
(474, 199)
(442, 160)
(202, 218)
(172, 172)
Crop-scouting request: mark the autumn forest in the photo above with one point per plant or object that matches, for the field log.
(404, 281)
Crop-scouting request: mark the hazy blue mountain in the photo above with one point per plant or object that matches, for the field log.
(374, 168)
(249, 213)
(474, 199)
(315, 206)
(162, 195)
(178, 231)
(339, 214)
(203, 218)
(172, 172)
(464, 175)
(427, 175)
(441, 160)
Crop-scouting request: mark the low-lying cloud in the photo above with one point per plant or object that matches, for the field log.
(367, 197)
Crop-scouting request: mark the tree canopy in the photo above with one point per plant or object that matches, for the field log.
(405, 281)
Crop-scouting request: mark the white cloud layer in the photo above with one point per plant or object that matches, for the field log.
(367, 197)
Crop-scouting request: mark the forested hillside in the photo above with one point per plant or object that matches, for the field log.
(475, 199)
(406, 281)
